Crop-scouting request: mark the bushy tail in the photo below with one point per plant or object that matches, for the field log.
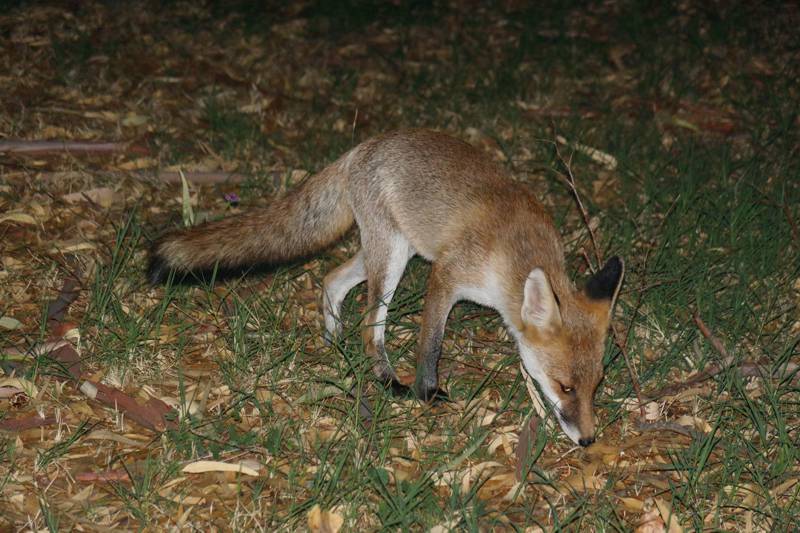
(304, 221)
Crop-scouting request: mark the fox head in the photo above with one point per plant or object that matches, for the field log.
(563, 341)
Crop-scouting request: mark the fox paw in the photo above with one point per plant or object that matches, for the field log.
(433, 396)
(399, 390)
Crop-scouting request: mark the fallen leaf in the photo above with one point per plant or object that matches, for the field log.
(652, 411)
(695, 422)
(20, 218)
(8, 322)
(102, 196)
(651, 523)
(137, 164)
(632, 504)
(607, 160)
(20, 384)
(320, 521)
(199, 467)
(667, 514)
(580, 482)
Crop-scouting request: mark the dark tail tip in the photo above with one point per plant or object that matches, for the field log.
(157, 269)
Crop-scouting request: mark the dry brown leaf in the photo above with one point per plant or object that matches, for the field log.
(586, 479)
(320, 521)
(607, 160)
(138, 164)
(634, 505)
(499, 486)
(651, 522)
(19, 218)
(695, 422)
(652, 411)
(102, 196)
(673, 525)
(20, 385)
(199, 467)
(7, 322)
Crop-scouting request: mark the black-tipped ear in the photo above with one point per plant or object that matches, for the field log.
(605, 284)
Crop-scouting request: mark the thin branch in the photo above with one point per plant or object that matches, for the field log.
(200, 177)
(570, 179)
(743, 369)
(727, 360)
(35, 147)
(792, 224)
(641, 427)
(618, 340)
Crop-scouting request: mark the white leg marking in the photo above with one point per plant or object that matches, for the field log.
(336, 285)
(401, 251)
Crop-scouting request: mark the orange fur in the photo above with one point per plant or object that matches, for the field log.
(488, 237)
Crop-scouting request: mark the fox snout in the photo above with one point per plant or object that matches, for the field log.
(582, 436)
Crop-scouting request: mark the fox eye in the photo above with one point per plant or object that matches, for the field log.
(565, 389)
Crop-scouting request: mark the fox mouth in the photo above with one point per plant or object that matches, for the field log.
(570, 430)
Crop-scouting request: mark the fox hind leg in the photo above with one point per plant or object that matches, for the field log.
(439, 299)
(335, 287)
(385, 260)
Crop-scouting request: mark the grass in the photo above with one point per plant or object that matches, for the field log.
(703, 217)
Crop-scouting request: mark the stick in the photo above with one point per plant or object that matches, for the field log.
(792, 224)
(35, 147)
(744, 369)
(727, 360)
(570, 178)
(151, 414)
(70, 290)
(200, 177)
(26, 422)
(668, 426)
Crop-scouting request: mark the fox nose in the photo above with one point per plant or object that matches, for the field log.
(586, 441)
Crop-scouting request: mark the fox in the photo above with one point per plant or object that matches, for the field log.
(488, 238)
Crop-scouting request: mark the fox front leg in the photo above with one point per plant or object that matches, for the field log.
(438, 302)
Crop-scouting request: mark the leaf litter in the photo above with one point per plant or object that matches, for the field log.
(118, 117)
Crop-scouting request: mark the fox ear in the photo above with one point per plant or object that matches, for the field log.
(605, 284)
(539, 306)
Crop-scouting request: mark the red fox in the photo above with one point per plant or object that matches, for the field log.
(488, 238)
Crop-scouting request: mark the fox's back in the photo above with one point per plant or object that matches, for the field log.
(435, 188)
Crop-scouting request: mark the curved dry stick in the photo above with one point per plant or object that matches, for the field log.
(34, 147)
(621, 343)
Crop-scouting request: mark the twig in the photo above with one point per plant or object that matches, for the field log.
(526, 437)
(26, 422)
(744, 369)
(200, 177)
(668, 426)
(151, 414)
(792, 224)
(727, 360)
(35, 147)
(70, 290)
(570, 178)
(589, 264)
(637, 388)
(618, 340)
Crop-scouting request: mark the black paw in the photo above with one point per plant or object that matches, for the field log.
(399, 390)
(327, 338)
(433, 396)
